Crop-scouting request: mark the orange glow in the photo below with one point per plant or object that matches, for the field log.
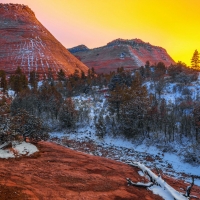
(172, 24)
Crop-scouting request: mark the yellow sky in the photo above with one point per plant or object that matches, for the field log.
(172, 24)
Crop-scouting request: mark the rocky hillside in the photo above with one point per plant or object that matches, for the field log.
(25, 42)
(129, 54)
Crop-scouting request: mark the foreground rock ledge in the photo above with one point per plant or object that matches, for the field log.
(60, 173)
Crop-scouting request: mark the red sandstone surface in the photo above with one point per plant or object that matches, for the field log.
(57, 172)
(25, 42)
(60, 173)
(129, 54)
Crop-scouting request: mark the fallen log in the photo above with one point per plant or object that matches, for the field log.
(139, 184)
(6, 145)
(157, 180)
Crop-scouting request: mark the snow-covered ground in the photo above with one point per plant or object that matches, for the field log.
(17, 149)
(171, 92)
(170, 161)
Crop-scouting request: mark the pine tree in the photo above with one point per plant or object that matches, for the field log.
(133, 108)
(160, 71)
(100, 127)
(92, 72)
(147, 69)
(115, 99)
(76, 75)
(3, 81)
(18, 81)
(68, 114)
(195, 61)
(34, 78)
(83, 75)
(61, 75)
(50, 77)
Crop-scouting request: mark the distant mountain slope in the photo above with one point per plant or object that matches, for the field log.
(25, 42)
(78, 48)
(129, 54)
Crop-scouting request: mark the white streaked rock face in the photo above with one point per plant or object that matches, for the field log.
(25, 42)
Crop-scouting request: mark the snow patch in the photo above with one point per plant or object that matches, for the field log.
(159, 191)
(26, 148)
(18, 149)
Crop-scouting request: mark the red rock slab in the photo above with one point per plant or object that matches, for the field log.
(57, 172)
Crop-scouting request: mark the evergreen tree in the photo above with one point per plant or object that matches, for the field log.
(50, 76)
(76, 75)
(160, 71)
(147, 69)
(3, 81)
(83, 75)
(115, 99)
(100, 127)
(142, 71)
(34, 78)
(195, 61)
(92, 72)
(68, 114)
(18, 81)
(89, 74)
(61, 75)
(133, 109)
(174, 70)
(26, 125)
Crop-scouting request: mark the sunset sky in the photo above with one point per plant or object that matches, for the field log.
(171, 24)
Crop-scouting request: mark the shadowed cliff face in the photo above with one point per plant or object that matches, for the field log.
(129, 54)
(25, 42)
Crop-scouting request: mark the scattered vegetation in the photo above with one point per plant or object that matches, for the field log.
(134, 104)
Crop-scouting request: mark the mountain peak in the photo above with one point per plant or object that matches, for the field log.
(14, 9)
(25, 42)
(78, 48)
(129, 54)
(125, 41)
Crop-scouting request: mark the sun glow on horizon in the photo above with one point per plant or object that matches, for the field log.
(173, 25)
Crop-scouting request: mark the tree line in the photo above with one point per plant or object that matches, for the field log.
(132, 110)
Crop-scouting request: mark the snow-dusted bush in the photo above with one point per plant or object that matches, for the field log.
(191, 154)
(26, 125)
(21, 125)
(186, 91)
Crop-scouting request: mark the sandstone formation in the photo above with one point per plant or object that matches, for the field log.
(60, 173)
(25, 42)
(129, 54)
